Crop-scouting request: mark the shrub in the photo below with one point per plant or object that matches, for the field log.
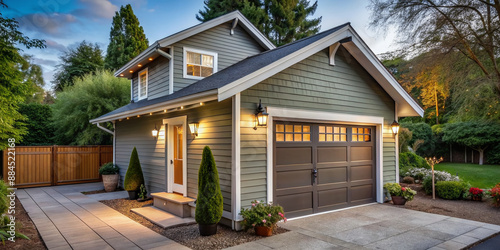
(109, 168)
(494, 193)
(475, 192)
(38, 124)
(450, 190)
(421, 131)
(409, 159)
(422, 173)
(143, 192)
(408, 180)
(133, 177)
(4, 200)
(4, 219)
(395, 189)
(209, 202)
(493, 155)
(261, 214)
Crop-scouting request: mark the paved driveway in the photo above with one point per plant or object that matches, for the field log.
(377, 226)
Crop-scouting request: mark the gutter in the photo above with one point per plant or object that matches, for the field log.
(105, 129)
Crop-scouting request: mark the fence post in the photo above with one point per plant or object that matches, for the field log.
(99, 150)
(54, 165)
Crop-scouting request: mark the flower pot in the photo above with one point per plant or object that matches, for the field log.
(263, 231)
(110, 182)
(133, 195)
(398, 200)
(477, 198)
(207, 230)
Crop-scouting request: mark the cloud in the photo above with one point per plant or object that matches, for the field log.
(52, 24)
(45, 62)
(96, 9)
(53, 45)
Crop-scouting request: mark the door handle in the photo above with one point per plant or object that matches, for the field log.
(314, 173)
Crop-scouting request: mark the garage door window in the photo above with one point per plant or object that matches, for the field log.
(361, 134)
(332, 133)
(289, 132)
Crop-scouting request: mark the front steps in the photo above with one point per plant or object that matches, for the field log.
(173, 203)
(162, 218)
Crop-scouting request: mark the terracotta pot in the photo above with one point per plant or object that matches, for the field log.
(263, 231)
(110, 182)
(398, 200)
(477, 198)
(207, 230)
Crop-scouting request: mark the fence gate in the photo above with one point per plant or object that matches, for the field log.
(57, 165)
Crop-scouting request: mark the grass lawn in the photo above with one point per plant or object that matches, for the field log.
(485, 176)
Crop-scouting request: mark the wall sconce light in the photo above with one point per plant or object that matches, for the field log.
(395, 127)
(155, 132)
(261, 116)
(194, 128)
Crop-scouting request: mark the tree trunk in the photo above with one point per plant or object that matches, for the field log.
(437, 106)
(481, 156)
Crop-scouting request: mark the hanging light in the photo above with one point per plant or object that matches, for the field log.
(261, 116)
(395, 127)
(194, 128)
(155, 132)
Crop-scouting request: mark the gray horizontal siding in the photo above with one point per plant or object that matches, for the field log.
(158, 74)
(311, 84)
(215, 121)
(230, 49)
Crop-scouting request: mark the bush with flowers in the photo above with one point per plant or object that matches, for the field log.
(395, 189)
(494, 193)
(262, 214)
(476, 193)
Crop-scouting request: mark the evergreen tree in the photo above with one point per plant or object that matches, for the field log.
(77, 62)
(281, 21)
(126, 38)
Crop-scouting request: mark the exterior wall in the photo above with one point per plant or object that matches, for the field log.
(215, 131)
(230, 49)
(157, 79)
(311, 84)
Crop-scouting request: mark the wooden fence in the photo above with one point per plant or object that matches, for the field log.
(57, 165)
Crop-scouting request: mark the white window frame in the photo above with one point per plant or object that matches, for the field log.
(204, 52)
(139, 84)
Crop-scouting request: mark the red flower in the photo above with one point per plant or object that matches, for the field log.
(404, 189)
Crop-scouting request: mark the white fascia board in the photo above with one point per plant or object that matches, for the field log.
(248, 26)
(145, 54)
(183, 101)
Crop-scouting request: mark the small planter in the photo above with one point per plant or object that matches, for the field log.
(133, 195)
(477, 198)
(398, 200)
(110, 182)
(263, 231)
(207, 230)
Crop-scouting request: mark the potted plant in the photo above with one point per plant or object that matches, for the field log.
(262, 217)
(476, 194)
(494, 193)
(400, 195)
(110, 176)
(143, 194)
(133, 178)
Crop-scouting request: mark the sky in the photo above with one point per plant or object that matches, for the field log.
(64, 24)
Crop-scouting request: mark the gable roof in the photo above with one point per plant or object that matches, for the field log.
(151, 51)
(252, 70)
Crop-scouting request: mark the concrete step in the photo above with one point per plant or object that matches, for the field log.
(173, 203)
(162, 218)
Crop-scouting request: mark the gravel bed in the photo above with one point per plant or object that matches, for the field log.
(188, 235)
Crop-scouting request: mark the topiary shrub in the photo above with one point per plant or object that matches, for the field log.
(209, 201)
(450, 190)
(409, 159)
(409, 180)
(134, 177)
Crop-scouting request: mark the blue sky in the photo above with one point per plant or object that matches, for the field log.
(64, 23)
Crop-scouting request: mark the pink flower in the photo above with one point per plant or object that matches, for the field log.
(264, 221)
(280, 214)
(253, 204)
(269, 215)
(253, 225)
(404, 189)
(258, 202)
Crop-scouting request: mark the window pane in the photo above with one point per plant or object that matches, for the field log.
(306, 129)
(329, 129)
(336, 138)
(289, 137)
(329, 137)
(193, 58)
(189, 69)
(206, 71)
(280, 137)
(207, 61)
(336, 130)
(321, 137)
(289, 128)
(196, 70)
(298, 137)
(354, 130)
(307, 137)
(343, 130)
(322, 129)
(343, 138)
(297, 128)
(367, 131)
(367, 138)
(280, 128)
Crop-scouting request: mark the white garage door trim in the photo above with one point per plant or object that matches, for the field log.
(321, 116)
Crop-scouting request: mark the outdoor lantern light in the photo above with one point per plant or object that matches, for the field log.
(194, 128)
(261, 116)
(395, 127)
(155, 132)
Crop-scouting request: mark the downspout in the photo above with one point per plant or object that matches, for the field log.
(114, 138)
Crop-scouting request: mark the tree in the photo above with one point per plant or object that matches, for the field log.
(209, 204)
(281, 21)
(134, 177)
(476, 135)
(91, 96)
(32, 74)
(38, 122)
(13, 89)
(126, 38)
(77, 62)
(422, 135)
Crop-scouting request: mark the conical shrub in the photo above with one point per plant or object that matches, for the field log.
(209, 202)
(133, 177)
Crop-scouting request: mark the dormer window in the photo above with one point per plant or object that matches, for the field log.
(143, 84)
(199, 64)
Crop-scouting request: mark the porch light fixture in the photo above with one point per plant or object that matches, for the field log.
(194, 128)
(395, 127)
(155, 133)
(261, 116)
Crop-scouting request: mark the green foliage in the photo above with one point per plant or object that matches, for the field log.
(404, 136)
(126, 38)
(13, 88)
(4, 200)
(395, 189)
(409, 160)
(38, 123)
(427, 184)
(262, 214)
(91, 96)
(77, 62)
(493, 155)
(134, 177)
(209, 204)
(143, 192)
(281, 21)
(421, 131)
(5, 228)
(450, 190)
(108, 169)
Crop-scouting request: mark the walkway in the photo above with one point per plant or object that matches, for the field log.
(67, 219)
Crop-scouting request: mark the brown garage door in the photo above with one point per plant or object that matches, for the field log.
(321, 167)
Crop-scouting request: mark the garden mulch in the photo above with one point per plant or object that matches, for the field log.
(25, 226)
(188, 235)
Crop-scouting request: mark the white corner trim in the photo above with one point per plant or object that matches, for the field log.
(396, 139)
(275, 113)
(114, 142)
(203, 52)
(171, 71)
(139, 96)
(332, 52)
(169, 123)
(131, 89)
(236, 161)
